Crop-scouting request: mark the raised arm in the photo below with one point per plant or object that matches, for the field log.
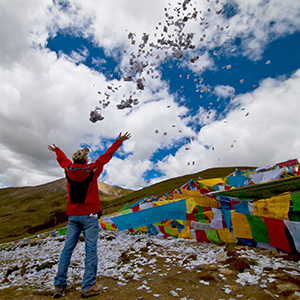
(124, 137)
(52, 148)
(60, 156)
(106, 157)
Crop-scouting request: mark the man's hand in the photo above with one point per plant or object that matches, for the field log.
(52, 148)
(124, 137)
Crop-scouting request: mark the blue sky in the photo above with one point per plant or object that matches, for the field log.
(232, 99)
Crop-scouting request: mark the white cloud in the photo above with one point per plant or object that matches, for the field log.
(267, 135)
(77, 57)
(127, 173)
(47, 98)
(224, 91)
(258, 22)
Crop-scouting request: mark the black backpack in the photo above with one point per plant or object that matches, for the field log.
(78, 189)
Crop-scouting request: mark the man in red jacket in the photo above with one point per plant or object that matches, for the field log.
(83, 208)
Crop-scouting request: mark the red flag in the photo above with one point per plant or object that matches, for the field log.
(278, 238)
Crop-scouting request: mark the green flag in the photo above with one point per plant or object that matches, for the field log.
(258, 229)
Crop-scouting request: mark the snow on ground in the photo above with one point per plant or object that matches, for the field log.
(34, 265)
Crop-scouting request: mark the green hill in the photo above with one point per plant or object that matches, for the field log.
(27, 211)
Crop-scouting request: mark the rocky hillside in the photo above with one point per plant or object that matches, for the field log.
(141, 266)
(111, 190)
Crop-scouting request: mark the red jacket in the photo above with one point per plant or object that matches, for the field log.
(83, 195)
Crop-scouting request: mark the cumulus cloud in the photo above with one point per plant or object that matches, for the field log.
(127, 173)
(224, 91)
(258, 22)
(251, 137)
(47, 97)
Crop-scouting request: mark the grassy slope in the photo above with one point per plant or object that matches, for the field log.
(26, 211)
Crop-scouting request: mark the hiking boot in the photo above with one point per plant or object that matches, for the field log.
(94, 290)
(59, 291)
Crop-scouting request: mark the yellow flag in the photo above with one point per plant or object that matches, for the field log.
(198, 198)
(240, 226)
(174, 231)
(143, 228)
(210, 214)
(275, 207)
(226, 236)
(190, 205)
(209, 183)
(168, 223)
(185, 233)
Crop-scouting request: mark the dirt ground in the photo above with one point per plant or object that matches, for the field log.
(170, 281)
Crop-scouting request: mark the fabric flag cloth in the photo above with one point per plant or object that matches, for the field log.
(126, 206)
(174, 210)
(250, 207)
(200, 225)
(161, 229)
(227, 217)
(190, 205)
(185, 233)
(240, 226)
(201, 236)
(294, 229)
(271, 175)
(233, 203)
(146, 205)
(209, 214)
(275, 207)
(198, 198)
(126, 211)
(192, 231)
(152, 230)
(259, 229)
(174, 231)
(225, 202)
(171, 231)
(63, 231)
(296, 201)
(204, 213)
(242, 208)
(278, 238)
(200, 217)
(290, 162)
(191, 217)
(208, 185)
(135, 208)
(212, 236)
(294, 216)
(256, 177)
(225, 235)
(142, 228)
(216, 222)
(237, 181)
(200, 209)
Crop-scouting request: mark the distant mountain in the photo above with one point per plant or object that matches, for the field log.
(27, 211)
(111, 190)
